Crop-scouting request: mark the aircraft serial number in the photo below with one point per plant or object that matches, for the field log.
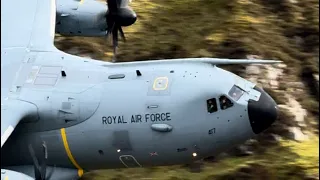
(138, 118)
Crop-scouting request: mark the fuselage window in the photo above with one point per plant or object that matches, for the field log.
(212, 105)
(225, 103)
(235, 93)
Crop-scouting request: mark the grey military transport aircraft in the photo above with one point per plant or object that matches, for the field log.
(63, 115)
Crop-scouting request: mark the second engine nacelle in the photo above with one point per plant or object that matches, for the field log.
(27, 173)
(81, 18)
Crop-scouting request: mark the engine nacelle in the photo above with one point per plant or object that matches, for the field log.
(27, 172)
(77, 18)
(8, 174)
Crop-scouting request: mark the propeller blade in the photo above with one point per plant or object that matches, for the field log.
(40, 171)
(119, 14)
(44, 162)
(109, 31)
(123, 3)
(50, 173)
(122, 34)
(35, 163)
(115, 42)
(115, 36)
(112, 5)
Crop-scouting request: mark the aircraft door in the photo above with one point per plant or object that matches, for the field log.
(129, 161)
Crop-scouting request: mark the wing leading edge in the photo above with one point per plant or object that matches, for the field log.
(213, 61)
(12, 112)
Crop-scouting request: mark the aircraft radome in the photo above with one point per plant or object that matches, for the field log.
(63, 115)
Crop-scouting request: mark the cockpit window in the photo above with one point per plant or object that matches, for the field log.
(235, 93)
(212, 105)
(225, 103)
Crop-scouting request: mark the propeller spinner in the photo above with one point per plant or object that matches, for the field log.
(119, 14)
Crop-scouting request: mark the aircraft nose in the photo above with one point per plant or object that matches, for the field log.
(262, 113)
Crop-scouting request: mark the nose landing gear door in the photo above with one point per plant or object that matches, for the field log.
(129, 161)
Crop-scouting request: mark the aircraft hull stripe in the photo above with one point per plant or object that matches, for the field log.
(6, 134)
(66, 147)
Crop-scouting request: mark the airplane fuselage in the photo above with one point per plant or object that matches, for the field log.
(96, 117)
(78, 114)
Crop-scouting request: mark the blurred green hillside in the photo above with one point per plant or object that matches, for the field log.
(286, 30)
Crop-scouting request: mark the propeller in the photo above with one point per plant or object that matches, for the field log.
(119, 14)
(40, 171)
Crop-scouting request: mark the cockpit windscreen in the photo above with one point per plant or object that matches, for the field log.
(235, 93)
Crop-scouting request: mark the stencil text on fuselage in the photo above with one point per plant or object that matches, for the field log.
(137, 118)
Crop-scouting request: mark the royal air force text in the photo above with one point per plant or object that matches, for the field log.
(138, 118)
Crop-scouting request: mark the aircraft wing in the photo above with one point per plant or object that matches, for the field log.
(12, 112)
(29, 24)
(212, 61)
(26, 26)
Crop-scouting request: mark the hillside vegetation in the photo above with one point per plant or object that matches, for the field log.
(285, 30)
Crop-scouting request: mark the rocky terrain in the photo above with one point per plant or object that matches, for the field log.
(285, 30)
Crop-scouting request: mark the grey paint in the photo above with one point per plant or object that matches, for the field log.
(37, 100)
(81, 18)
